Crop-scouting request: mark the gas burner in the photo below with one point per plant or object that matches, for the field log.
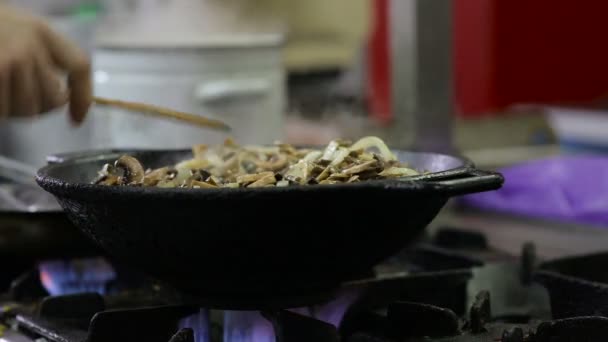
(423, 294)
(578, 286)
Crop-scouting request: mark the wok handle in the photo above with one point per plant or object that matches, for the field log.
(468, 182)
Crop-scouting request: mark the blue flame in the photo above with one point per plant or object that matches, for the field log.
(76, 276)
(247, 326)
(199, 323)
(251, 326)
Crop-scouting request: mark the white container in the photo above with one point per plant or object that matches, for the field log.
(241, 84)
(579, 126)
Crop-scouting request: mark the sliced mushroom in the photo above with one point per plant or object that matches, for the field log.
(229, 142)
(199, 151)
(199, 175)
(279, 162)
(232, 165)
(353, 179)
(214, 180)
(133, 171)
(167, 184)
(287, 149)
(370, 165)
(264, 181)
(312, 156)
(246, 179)
(300, 172)
(368, 175)
(283, 183)
(153, 177)
(192, 164)
(339, 177)
(202, 185)
(107, 176)
(324, 174)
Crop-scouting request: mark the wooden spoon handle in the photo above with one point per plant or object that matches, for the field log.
(161, 112)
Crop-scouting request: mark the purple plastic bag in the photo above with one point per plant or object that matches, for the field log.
(572, 188)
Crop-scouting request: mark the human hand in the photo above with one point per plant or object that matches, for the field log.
(33, 61)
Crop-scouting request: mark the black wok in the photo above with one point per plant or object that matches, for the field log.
(246, 247)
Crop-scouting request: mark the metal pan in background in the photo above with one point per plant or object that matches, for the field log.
(240, 248)
(33, 226)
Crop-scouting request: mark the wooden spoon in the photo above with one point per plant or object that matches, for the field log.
(165, 113)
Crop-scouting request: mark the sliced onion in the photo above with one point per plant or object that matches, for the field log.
(330, 150)
(368, 142)
(398, 172)
(339, 156)
(312, 156)
(192, 164)
(261, 149)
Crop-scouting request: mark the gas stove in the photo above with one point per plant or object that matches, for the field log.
(450, 287)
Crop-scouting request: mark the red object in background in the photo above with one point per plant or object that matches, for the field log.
(521, 51)
(509, 52)
(379, 64)
(474, 56)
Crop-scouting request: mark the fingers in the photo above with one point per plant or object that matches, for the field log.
(75, 62)
(51, 91)
(5, 91)
(24, 90)
(81, 94)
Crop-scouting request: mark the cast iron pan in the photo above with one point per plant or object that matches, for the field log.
(237, 248)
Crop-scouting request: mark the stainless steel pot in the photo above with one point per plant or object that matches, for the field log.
(241, 83)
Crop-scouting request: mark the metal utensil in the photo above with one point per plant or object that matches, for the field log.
(21, 194)
(16, 171)
(166, 113)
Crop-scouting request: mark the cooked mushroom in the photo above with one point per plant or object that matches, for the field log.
(202, 185)
(264, 181)
(199, 175)
(280, 162)
(192, 164)
(215, 180)
(361, 167)
(153, 177)
(133, 171)
(107, 176)
(339, 177)
(234, 166)
(247, 179)
(300, 172)
(198, 151)
(353, 179)
(283, 183)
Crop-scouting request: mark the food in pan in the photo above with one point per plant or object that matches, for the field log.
(234, 166)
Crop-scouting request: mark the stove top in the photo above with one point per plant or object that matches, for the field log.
(451, 287)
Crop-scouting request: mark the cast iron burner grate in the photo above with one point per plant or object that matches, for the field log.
(424, 294)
